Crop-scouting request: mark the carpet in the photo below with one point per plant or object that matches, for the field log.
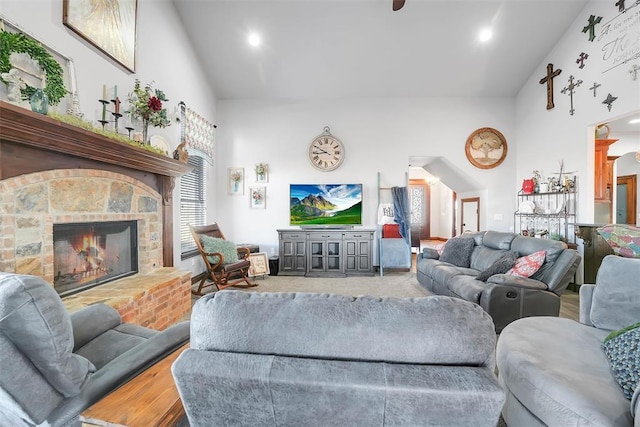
(400, 284)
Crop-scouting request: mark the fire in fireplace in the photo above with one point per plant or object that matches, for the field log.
(93, 253)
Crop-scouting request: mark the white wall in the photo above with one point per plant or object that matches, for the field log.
(163, 56)
(378, 134)
(546, 137)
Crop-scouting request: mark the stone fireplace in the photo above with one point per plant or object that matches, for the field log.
(53, 174)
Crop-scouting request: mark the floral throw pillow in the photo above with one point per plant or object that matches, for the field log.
(622, 348)
(526, 266)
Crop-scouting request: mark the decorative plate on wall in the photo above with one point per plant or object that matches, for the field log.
(486, 148)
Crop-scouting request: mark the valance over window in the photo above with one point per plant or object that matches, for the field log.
(197, 132)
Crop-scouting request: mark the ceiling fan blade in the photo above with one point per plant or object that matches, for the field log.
(397, 4)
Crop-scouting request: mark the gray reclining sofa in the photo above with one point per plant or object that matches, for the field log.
(54, 365)
(556, 371)
(300, 359)
(505, 297)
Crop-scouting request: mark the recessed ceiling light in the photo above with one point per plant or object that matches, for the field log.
(634, 121)
(254, 39)
(485, 35)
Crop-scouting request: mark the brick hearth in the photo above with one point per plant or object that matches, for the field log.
(155, 300)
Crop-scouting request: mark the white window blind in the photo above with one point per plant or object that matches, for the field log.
(193, 207)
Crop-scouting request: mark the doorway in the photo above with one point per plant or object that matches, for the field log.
(470, 214)
(626, 191)
(420, 200)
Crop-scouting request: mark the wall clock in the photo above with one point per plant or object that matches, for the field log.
(326, 152)
(486, 148)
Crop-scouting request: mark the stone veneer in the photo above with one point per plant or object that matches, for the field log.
(30, 204)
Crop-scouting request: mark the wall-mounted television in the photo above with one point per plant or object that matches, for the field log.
(328, 205)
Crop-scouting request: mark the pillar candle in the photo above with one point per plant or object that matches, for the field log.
(104, 92)
(115, 92)
(72, 77)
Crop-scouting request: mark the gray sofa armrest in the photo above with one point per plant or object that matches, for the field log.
(516, 281)
(563, 271)
(91, 322)
(586, 298)
(120, 370)
(428, 253)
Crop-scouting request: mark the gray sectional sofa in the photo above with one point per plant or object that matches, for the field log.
(555, 370)
(54, 365)
(293, 359)
(505, 297)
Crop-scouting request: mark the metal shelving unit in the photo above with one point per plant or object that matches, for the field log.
(547, 214)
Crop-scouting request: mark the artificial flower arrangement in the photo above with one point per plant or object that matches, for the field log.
(256, 194)
(236, 176)
(146, 104)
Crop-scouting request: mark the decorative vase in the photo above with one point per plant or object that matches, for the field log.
(235, 186)
(528, 186)
(145, 131)
(39, 102)
(544, 187)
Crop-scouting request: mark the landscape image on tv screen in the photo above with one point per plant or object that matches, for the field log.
(325, 204)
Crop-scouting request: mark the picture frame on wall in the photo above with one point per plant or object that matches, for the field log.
(110, 26)
(259, 264)
(235, 181)
(258, 197)
(262, 173)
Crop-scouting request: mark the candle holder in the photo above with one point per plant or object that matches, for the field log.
(129, 129)
(104, 120)
(116, 116)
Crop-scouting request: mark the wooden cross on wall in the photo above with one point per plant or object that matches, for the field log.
(594, 88)
(570, 90)
(548, 79)
(591, 26)
(634, 72)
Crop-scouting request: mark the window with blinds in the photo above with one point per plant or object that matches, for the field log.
(193, 207)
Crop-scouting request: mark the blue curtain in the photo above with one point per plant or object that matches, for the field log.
(401, 211)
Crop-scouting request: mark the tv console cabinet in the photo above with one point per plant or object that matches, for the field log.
(326, 252)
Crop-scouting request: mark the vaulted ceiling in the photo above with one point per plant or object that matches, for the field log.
(331, 49)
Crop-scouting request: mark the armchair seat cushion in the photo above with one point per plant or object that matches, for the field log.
(238, 265)
(555, 367)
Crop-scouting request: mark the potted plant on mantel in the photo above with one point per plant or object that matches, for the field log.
(146, 105)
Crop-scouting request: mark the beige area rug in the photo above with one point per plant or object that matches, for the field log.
(392, 284)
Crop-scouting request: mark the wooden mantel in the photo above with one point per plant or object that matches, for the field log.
(31, 142)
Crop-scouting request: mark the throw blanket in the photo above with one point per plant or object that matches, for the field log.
(401, 211)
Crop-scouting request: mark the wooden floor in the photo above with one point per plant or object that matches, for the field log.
(569, 301)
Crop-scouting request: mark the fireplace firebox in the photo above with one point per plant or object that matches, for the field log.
(89, 254)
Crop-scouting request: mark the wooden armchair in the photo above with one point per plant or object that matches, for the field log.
(221, 272)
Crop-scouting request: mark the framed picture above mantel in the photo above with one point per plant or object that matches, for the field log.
(109, 25)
